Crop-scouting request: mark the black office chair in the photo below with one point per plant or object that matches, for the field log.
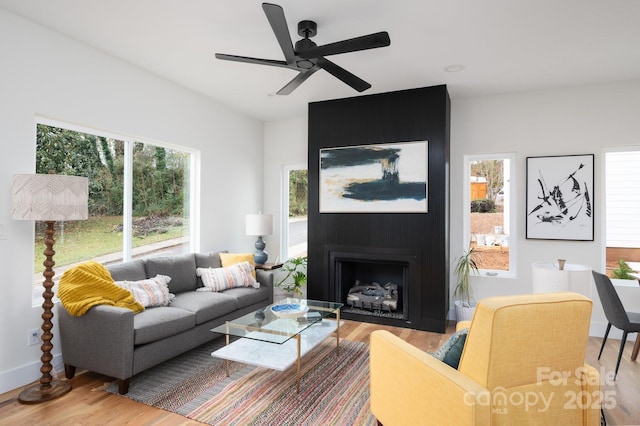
(628, 322)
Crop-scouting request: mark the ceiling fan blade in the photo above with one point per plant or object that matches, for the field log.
(370, 41)
(340, 73)
(275, 16)
(248, 60)
(297, 81)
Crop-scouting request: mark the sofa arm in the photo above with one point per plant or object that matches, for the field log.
(101, 340)
(432, 392)
(265, 278)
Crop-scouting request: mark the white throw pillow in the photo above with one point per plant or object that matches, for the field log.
(218, 279)
(150, 292)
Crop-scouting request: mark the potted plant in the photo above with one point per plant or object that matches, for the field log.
(622, 271)
(295, 277)
(463, 292)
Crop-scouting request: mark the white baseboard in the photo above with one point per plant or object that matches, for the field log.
(28, 374)
(597, 329)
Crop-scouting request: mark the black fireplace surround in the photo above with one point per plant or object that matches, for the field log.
(410, 248)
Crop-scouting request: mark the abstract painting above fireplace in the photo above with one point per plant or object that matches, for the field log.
(374, 178)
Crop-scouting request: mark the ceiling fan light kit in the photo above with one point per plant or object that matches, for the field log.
(307, 57)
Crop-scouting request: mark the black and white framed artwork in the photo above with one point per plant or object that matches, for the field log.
(560, 197)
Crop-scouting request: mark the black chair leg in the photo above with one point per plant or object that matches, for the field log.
(622, 342)
(606, 333)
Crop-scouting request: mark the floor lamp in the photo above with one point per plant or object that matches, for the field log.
(48, 198)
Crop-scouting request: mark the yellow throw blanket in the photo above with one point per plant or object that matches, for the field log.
(89, 284)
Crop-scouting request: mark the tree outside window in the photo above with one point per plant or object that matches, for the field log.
(159, 197)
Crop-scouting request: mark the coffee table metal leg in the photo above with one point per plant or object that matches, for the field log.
(338, 332)
(298, 363)
(226, 364)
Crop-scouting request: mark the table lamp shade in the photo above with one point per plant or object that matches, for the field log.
(49, 197)
(259, 224)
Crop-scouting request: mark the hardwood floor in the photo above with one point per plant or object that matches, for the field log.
(88, 404)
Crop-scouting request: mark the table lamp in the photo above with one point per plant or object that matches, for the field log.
(48, 198)
(259, 225)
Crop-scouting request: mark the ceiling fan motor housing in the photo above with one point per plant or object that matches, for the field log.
(307, 29)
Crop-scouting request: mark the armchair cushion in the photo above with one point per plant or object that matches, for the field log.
(451, 351)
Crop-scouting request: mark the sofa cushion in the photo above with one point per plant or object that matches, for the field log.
(229, 259)
(218, 279)
(149, 292)
(451, 351)
(133, 271)
(181, 269)
(208, 260)
(157, 323)
(205, 305)
(248, 296)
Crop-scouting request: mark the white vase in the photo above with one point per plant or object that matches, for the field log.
(464, 310)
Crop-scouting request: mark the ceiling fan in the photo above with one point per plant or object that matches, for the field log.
(307, 57)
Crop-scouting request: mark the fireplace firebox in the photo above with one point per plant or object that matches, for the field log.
(372, 284)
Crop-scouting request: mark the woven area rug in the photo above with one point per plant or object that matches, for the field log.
(334, 390)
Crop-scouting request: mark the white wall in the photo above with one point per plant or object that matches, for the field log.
(46, 74)
(576, 120)
(285, 144)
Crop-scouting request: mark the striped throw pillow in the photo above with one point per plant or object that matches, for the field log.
(218, 279)
(150, 292)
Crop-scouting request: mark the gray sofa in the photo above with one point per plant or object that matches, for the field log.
(117, 343)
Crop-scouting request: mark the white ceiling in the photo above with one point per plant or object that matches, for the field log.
(505, 46)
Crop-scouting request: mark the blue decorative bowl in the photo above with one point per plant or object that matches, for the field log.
(289, 310)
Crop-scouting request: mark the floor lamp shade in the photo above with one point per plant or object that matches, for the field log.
(48, 198)
(259, 225)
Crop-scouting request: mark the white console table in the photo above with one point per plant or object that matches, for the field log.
(547, 278)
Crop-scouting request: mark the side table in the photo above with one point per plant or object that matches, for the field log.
(547, 277)
(268, 266)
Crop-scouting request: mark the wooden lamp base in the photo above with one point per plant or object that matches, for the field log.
(38, 393)
(47, 388)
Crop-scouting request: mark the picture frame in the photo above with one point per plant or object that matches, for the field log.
(377, 178)
(560, 197)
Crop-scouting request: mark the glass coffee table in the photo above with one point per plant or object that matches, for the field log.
(279, 335)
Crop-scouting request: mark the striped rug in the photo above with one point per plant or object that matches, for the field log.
(334, 390)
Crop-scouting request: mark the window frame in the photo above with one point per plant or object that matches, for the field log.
(604, 211)
(284, 225)
(127, 214)
(510, 210)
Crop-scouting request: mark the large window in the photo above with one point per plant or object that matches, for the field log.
(489, 213)
(139, 198)
(294, 226)
(622, 211)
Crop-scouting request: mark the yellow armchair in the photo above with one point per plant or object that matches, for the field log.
(522, 364)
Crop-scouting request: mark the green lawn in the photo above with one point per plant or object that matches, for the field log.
(97, 236)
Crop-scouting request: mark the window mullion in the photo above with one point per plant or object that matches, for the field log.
(127, 208)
